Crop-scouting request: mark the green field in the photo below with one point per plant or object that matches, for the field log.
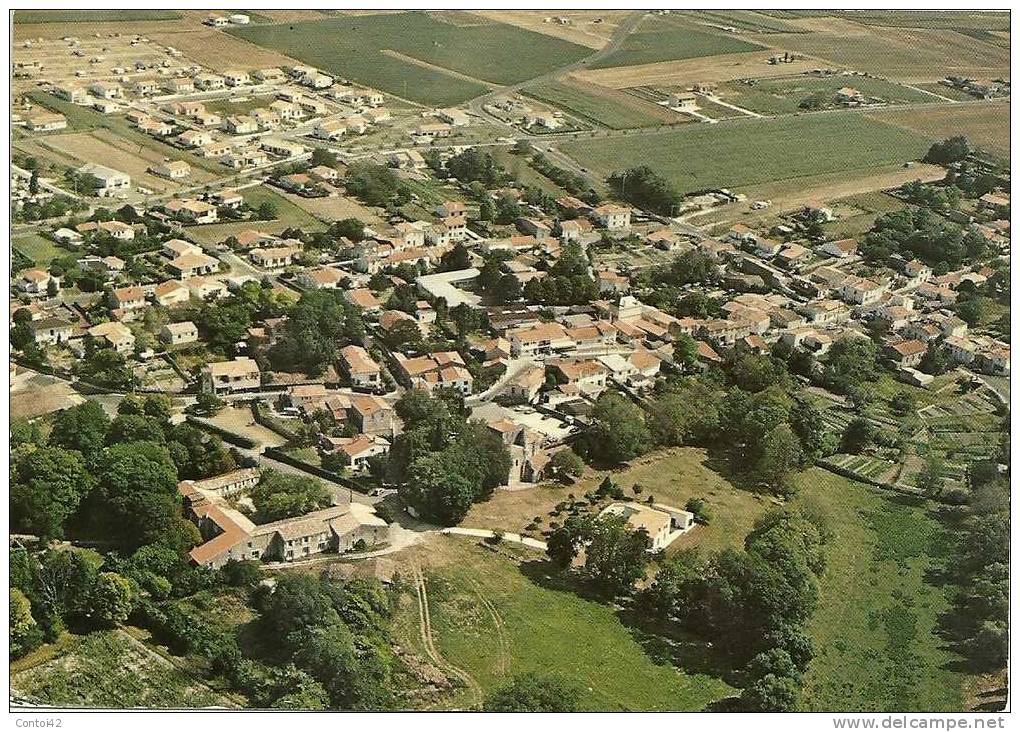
(755, 151)
(662, 39)
(527, 627)
(355, 47)
(110, 670)
(287, 215)
(998, 21)
(38, 248)
(744, 20)
(783, 96)
(93, 16)
(876, 628)
(612, 109)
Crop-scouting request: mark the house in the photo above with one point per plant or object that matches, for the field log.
(454, 117)
(176, 334)
(683, 102)
(227, 377)
(192, 211)
(127, 298)
(171, 292)
(611, 216)
(996, 361)
(193, 264)
(209, 82)
(906, 353)
(216, 149)
(282, 148)
(195, 138)
(72, 93)
(861, 291)
(181, 85)
(48, 331)
(356, 451)
(662, 524)
(269, 76)
(329, 129)
(323, 278)
(371, 415)
(324, 173)
(587, 375)
(526, 384)
(115, 334)
(106, 90)
(274, 257)
(45, 121)
(841, 248)
(157, 127)
(849, 96)
(363, 298)
(68, 238)
(235, 78)
(574, 229)
(240, 124)
(173, 248)
(444, 369)
(228, 198)
(541, 338)
(36, 281)
(172, 169)
(105, 181)
(360, 367)
(206, 288)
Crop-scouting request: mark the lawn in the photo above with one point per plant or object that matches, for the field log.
(985, 124)
(783, 96)
(411, 55)
(672, 476)
(603, 106)
(663, 39)
(876, 627)
(753, 151)
(527, 626)
(38, 248)
(110, 669)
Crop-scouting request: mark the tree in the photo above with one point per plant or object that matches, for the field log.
(780, 453)
(456, 259)
(318, 325)
(859, 434)
(699, 507)
(377, 185)
(267, 211)
(244, 573)
(47, 485)
(23, 631)
(533, 693)
(349, 228)
(278, 496)
(646, 189)
(82, 428)
(851, 363)
(208, 404)
(903, 403)
(106, 367)
(951, 150)
(971, 311)
(771, 694)
(322, 156)
(618, 431)
(111, 599)
(930, 480)
(615, 556)
(565, 465)
(566, 540)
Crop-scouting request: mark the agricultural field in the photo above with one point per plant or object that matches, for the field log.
(757, 151)
(664, 39)
(906, 54)
(985, 124)
(94, 16)
(109, 669)
(603, 106)
(672, 476)
(784, 96)
(494, 619)
(747, 21)
(876, 629)
(418, 56)
(591, 28)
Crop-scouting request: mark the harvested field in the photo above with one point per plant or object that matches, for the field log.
(784, 96)
(713, 69)
(906, 54)
(985, 124)
(107, 148)
(756, 152)
(214, 48)
(604, 106)
(582, 28)
(336, 208)
(188, 20)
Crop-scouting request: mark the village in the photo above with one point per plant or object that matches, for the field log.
(374, 319)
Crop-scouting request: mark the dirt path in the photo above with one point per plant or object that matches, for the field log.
(439, 69)
(425, 629)
(503, 664)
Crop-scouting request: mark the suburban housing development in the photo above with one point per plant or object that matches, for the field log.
(510, 360)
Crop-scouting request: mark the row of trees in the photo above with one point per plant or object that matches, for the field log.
(920, 233)
(646, 189)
